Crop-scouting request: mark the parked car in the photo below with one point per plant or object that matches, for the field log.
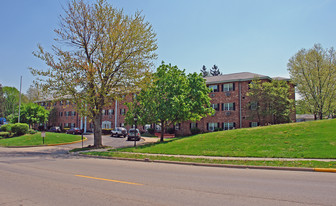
(74, 131)
(133, 134)
(54, 129)
(119, 132)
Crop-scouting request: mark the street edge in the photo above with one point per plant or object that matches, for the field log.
(303, 169)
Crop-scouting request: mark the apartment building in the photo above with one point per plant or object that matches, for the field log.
(228, 98)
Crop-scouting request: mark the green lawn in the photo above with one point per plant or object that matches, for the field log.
(273, 163)
(316, 139)
(36, 139)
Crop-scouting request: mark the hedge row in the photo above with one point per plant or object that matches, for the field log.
(18, 128)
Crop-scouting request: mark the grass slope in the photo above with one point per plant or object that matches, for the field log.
(316, 139)
(36, 139)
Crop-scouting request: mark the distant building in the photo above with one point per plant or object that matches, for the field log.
(228, 98)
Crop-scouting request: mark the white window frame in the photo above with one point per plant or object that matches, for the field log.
(212, 126)
(228, 106)
(214, 88)
(227, 87)
(228, 125)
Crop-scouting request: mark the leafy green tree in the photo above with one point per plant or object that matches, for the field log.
(12, 96)
(31, 113)
(314, 73)
(171, 98)
(204, 71)
(270, 101)
(2, 103)
(214, 71)
(107, 54)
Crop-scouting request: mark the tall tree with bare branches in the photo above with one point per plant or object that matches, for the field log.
(314, 73)
(101, 55)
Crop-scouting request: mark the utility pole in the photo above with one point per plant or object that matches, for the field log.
(20, 99)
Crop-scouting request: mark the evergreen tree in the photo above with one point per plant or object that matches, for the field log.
(214, 71)
(204, 71)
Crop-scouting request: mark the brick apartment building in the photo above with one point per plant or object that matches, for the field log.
(228, 98)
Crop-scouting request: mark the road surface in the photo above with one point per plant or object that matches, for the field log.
(40, 176)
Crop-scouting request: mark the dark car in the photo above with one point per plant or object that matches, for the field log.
(74, 131)
(133, 134)
(54, 129)
(119, 132)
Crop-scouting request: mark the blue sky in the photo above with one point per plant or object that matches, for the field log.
(238, 36)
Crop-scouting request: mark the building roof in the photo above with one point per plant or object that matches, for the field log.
(235, 77)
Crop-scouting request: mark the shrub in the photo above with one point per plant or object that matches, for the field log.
(218, 129)
(6, 128)
(20, 129)
(147, 134)
(4, 134)
(195, 130)
(150, 130)
(32, 131)
(171, 130)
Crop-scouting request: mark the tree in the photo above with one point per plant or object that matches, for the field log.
(314, 73)
(204, 71)
(31, 113)
(35, 93)
(12, 96)
(214, 71)
(270, 101)
(108, 54)
(171, 98)
(2, 103)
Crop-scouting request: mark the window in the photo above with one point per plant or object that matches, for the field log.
(177, 126)
(228, 125)
(66, 125)
(55, 103)
(61, 102)
(73, 113)
(215, 107)
(122, 111)
(122, 124)
(61, 114)
(110, 112)
(253, 105)
(67, 102)
(228, 87)
(228, 106)
(213, 88)
(193, 125)
(106, 125)
(254, 124)
(72, 125)
(212, 126)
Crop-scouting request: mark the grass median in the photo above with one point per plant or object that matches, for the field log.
(37, 140)
(274, 163)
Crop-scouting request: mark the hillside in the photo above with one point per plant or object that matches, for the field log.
(316, 139)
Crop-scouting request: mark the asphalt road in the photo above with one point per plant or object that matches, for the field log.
(45, 176)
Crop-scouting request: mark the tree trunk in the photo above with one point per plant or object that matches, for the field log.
(162, 131)
(97, 125)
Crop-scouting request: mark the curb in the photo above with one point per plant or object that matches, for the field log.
(46, 145)
(303, 169)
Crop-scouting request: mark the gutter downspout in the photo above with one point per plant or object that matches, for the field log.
(240, 112)
(116, 114)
